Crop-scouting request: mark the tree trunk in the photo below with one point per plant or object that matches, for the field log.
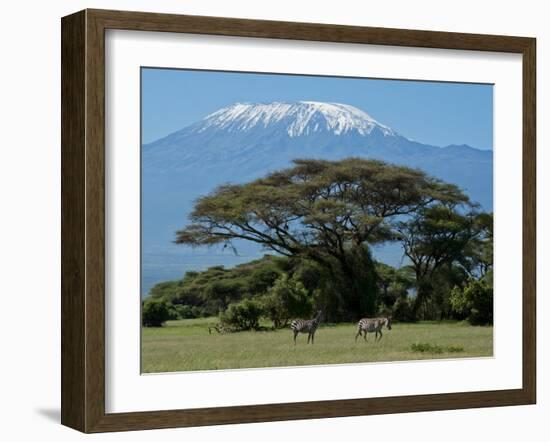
(422, 292)
(360, 278)
(354, 278)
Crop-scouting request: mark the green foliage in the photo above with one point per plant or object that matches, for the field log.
(155, 312)
(262, 278)
(208, 292)
(437, 290)
(287, 299)
(477, 259)
(184, 311)
(474, 302)
(325, 201)
(167, 290)
(328, 212)
(393, 283)
(309, 273)
(433, 239)
(243, 315)
(322, 218)
(360, 284)
(403, 310)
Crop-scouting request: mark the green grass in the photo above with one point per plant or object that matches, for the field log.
(187, 345)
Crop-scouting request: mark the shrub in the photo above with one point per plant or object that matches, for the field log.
(474, 302)
(155, 312)
(243, 315)
(426, 347)
(287, 299)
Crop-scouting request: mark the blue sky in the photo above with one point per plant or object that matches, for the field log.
(429, 112)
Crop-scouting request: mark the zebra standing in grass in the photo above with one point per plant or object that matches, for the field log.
(221, 329)
(372, 325)
(305, 326)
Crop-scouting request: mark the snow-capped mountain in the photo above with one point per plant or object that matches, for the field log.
(277, 130)
(245, 141)
(296, 119)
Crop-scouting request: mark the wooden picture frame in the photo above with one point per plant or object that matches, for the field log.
(83, 220)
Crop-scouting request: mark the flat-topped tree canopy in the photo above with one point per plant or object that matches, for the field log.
(325, 211)
(316, 207)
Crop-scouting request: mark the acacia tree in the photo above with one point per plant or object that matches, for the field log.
(477, 260)
(436, 236)
(324, 211)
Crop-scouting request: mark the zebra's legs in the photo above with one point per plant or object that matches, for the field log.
(358, 334)
(312, 336)
(308, 337)
(295, 334)
(379, 334)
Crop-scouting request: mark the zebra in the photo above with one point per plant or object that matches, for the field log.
(372, 325)
(221, 329)
(305, 326)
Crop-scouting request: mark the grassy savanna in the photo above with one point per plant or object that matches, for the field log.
(185, 345)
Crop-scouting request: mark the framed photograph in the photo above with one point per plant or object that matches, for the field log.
(267, 221)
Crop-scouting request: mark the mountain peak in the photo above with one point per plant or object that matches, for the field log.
(295, 118)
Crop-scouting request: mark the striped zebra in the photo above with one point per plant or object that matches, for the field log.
(305, 326)
(372, 325)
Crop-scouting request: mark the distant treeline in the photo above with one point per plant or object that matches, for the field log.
(280, 289)
(321, 219)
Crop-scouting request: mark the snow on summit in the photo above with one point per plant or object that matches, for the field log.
(296, 119)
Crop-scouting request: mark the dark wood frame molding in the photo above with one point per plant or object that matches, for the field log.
(83, 216)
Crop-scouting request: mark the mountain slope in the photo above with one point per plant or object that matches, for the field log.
(245, 141)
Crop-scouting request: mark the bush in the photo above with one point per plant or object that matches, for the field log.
(243, 315)
(287, 299)
(262, 278)
(474, 302)
(184, 311)
(155, 312)
(426, 347)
